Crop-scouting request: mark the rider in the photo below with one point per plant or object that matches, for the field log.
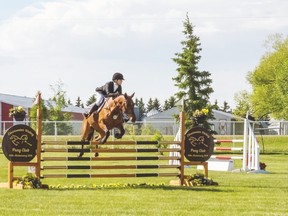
(110, 89)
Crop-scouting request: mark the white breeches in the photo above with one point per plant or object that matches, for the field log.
(99, 98)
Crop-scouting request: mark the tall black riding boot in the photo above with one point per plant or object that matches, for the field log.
(93, 109)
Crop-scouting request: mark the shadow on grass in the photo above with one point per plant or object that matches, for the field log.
(273, 153)
(209, 188)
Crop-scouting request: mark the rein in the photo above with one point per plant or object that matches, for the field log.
(116, 106)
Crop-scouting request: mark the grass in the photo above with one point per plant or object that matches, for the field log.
(238, 193)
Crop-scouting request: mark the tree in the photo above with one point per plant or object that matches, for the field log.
(149, 105)
(226, 107)
(56, 105)
(243, 104)
(193, 84)
(33, 111)
(157, 105)
(170, 103)
(270, 82)
(215, 105)
(91, 100)
(141, 107)
(78, 102)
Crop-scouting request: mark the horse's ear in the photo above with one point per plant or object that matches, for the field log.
(132, 95)
(125, 95)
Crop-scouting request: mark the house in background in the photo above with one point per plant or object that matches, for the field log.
(224, 123)
(9, 101)
(163, 121)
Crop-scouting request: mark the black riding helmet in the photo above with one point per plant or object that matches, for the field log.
(117, 76)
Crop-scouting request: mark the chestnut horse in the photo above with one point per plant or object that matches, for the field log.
(112, 115)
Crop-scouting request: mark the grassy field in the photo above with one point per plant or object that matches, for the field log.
(238, 193)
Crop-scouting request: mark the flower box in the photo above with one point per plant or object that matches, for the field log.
(18, 113)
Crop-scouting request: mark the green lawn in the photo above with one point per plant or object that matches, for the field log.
(237, 193)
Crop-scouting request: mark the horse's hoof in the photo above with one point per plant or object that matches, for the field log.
(85, 115)
(96, 154)
(80, 154)
(117, 136)
(102, 141)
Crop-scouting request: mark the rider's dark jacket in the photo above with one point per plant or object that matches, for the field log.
(108, 90)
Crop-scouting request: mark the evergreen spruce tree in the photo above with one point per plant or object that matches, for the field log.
(149, 106)
(226, 107)
(170, 103)
(91, 100)
(215, 105)
(78, 102)
(141, 107)
(193, 84)
(157, 105)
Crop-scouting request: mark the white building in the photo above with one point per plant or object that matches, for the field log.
(224, 123)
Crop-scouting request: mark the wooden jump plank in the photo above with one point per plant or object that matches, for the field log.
(122, 142)
(104, 150)
(108, 158)
(109, 175)
(111, 167)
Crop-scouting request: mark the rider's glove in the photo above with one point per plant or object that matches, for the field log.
(115, 94)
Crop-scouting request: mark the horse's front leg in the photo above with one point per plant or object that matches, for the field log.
(106, 136)
(101, 139)
(104, 133)
(122, 132)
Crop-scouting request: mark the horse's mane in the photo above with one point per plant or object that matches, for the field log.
(116, 102)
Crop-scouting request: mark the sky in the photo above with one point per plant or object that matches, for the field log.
(82, 43)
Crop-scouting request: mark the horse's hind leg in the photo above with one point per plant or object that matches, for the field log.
(99, 139)
(89, 137)
(87, 134)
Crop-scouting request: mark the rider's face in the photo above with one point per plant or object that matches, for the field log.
(119, 82)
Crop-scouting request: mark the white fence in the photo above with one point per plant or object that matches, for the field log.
(164, 127)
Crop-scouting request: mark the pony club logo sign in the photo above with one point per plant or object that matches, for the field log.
(19, 143)
(199, 144)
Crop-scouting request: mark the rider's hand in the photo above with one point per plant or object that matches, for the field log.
(115, 94)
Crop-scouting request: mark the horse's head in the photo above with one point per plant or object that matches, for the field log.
(128, 108)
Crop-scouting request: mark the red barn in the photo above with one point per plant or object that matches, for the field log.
(9, 101)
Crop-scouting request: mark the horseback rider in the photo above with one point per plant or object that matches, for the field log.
(110, 89)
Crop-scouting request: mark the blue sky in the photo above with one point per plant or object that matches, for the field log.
(82, 43)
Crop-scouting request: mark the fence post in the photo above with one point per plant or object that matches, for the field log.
(182, 134)
(245, 146)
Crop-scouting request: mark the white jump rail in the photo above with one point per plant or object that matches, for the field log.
(250, 150)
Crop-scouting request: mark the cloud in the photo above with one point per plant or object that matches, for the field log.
(61, 23)
(86, 41)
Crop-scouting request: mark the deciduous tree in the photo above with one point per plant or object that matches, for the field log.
(270, 82)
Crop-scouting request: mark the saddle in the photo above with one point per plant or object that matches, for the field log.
(102, 103)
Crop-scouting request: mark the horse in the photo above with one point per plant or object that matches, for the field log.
(113, 114)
